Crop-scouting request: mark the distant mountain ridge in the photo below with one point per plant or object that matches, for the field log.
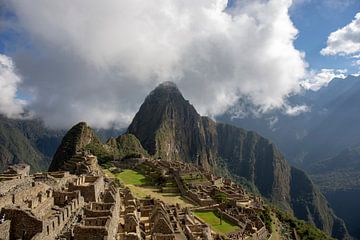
(27, 141)
(168, 127)
(30, 141)
(339, 179)
(329, 127)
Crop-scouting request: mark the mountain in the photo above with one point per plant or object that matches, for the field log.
(73, 142)
(310, 136)
(169, 127)
(27, 141)
(82, 138)
(339, 179)
(323, 141)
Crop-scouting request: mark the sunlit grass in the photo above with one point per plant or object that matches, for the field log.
(129, 176)
(214, 221)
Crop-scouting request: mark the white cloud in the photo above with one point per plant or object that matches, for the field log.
(317, 79)
(10, 106)
(96, 60)
(296, 110)
(344, 41)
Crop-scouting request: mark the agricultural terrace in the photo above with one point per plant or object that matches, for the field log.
(214, 221)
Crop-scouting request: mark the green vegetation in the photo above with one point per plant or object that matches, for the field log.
(143, 186)
(16, 147)
(221, 197)
(267, 219)
(129, 176)
(130, 147)
(193, 178)
(214, 221)
(100, 152)
(305, 230)
(125, 146)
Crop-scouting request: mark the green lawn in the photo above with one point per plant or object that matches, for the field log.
(129, 176)
(210, 218)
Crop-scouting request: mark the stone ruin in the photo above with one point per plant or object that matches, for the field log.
(83, 204)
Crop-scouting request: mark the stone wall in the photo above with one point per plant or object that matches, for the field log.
(23, 224)
(90, 187)
(100, 219)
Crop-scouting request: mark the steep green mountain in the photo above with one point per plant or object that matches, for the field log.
(169, 127)
(82, 138)
(75, 140)
(128, 145)
(27, 141)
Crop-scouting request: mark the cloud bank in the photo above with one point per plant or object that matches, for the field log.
(10, 106)
(96, 60)
(318, 79)
(344, 41)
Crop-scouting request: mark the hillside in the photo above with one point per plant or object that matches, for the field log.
(339, 179)
(27, 141)
(308, 137)
(168, 126)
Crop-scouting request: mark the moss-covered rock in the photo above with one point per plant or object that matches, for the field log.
(129, 146)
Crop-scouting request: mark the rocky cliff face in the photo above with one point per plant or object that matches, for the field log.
(75, 141)
(81, 138)
(169, 127)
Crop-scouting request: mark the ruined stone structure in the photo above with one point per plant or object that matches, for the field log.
(57, 205)
(85, 205)
(201, 188)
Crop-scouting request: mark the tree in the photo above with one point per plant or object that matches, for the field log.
(221, 198)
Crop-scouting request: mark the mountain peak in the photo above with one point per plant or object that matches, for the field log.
(167, 85)
(165, 90)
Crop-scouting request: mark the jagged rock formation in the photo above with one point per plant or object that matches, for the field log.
(81, 138)
(73, 144)
(169, 127)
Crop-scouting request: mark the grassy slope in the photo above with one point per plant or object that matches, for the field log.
(214, 221)
(132, 177)
(135, 181)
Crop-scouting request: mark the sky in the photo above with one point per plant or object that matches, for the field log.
(72, 60)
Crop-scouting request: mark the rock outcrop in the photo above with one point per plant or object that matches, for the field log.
(74, 142)
(80, 142)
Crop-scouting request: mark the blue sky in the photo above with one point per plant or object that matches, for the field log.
(315, 20)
